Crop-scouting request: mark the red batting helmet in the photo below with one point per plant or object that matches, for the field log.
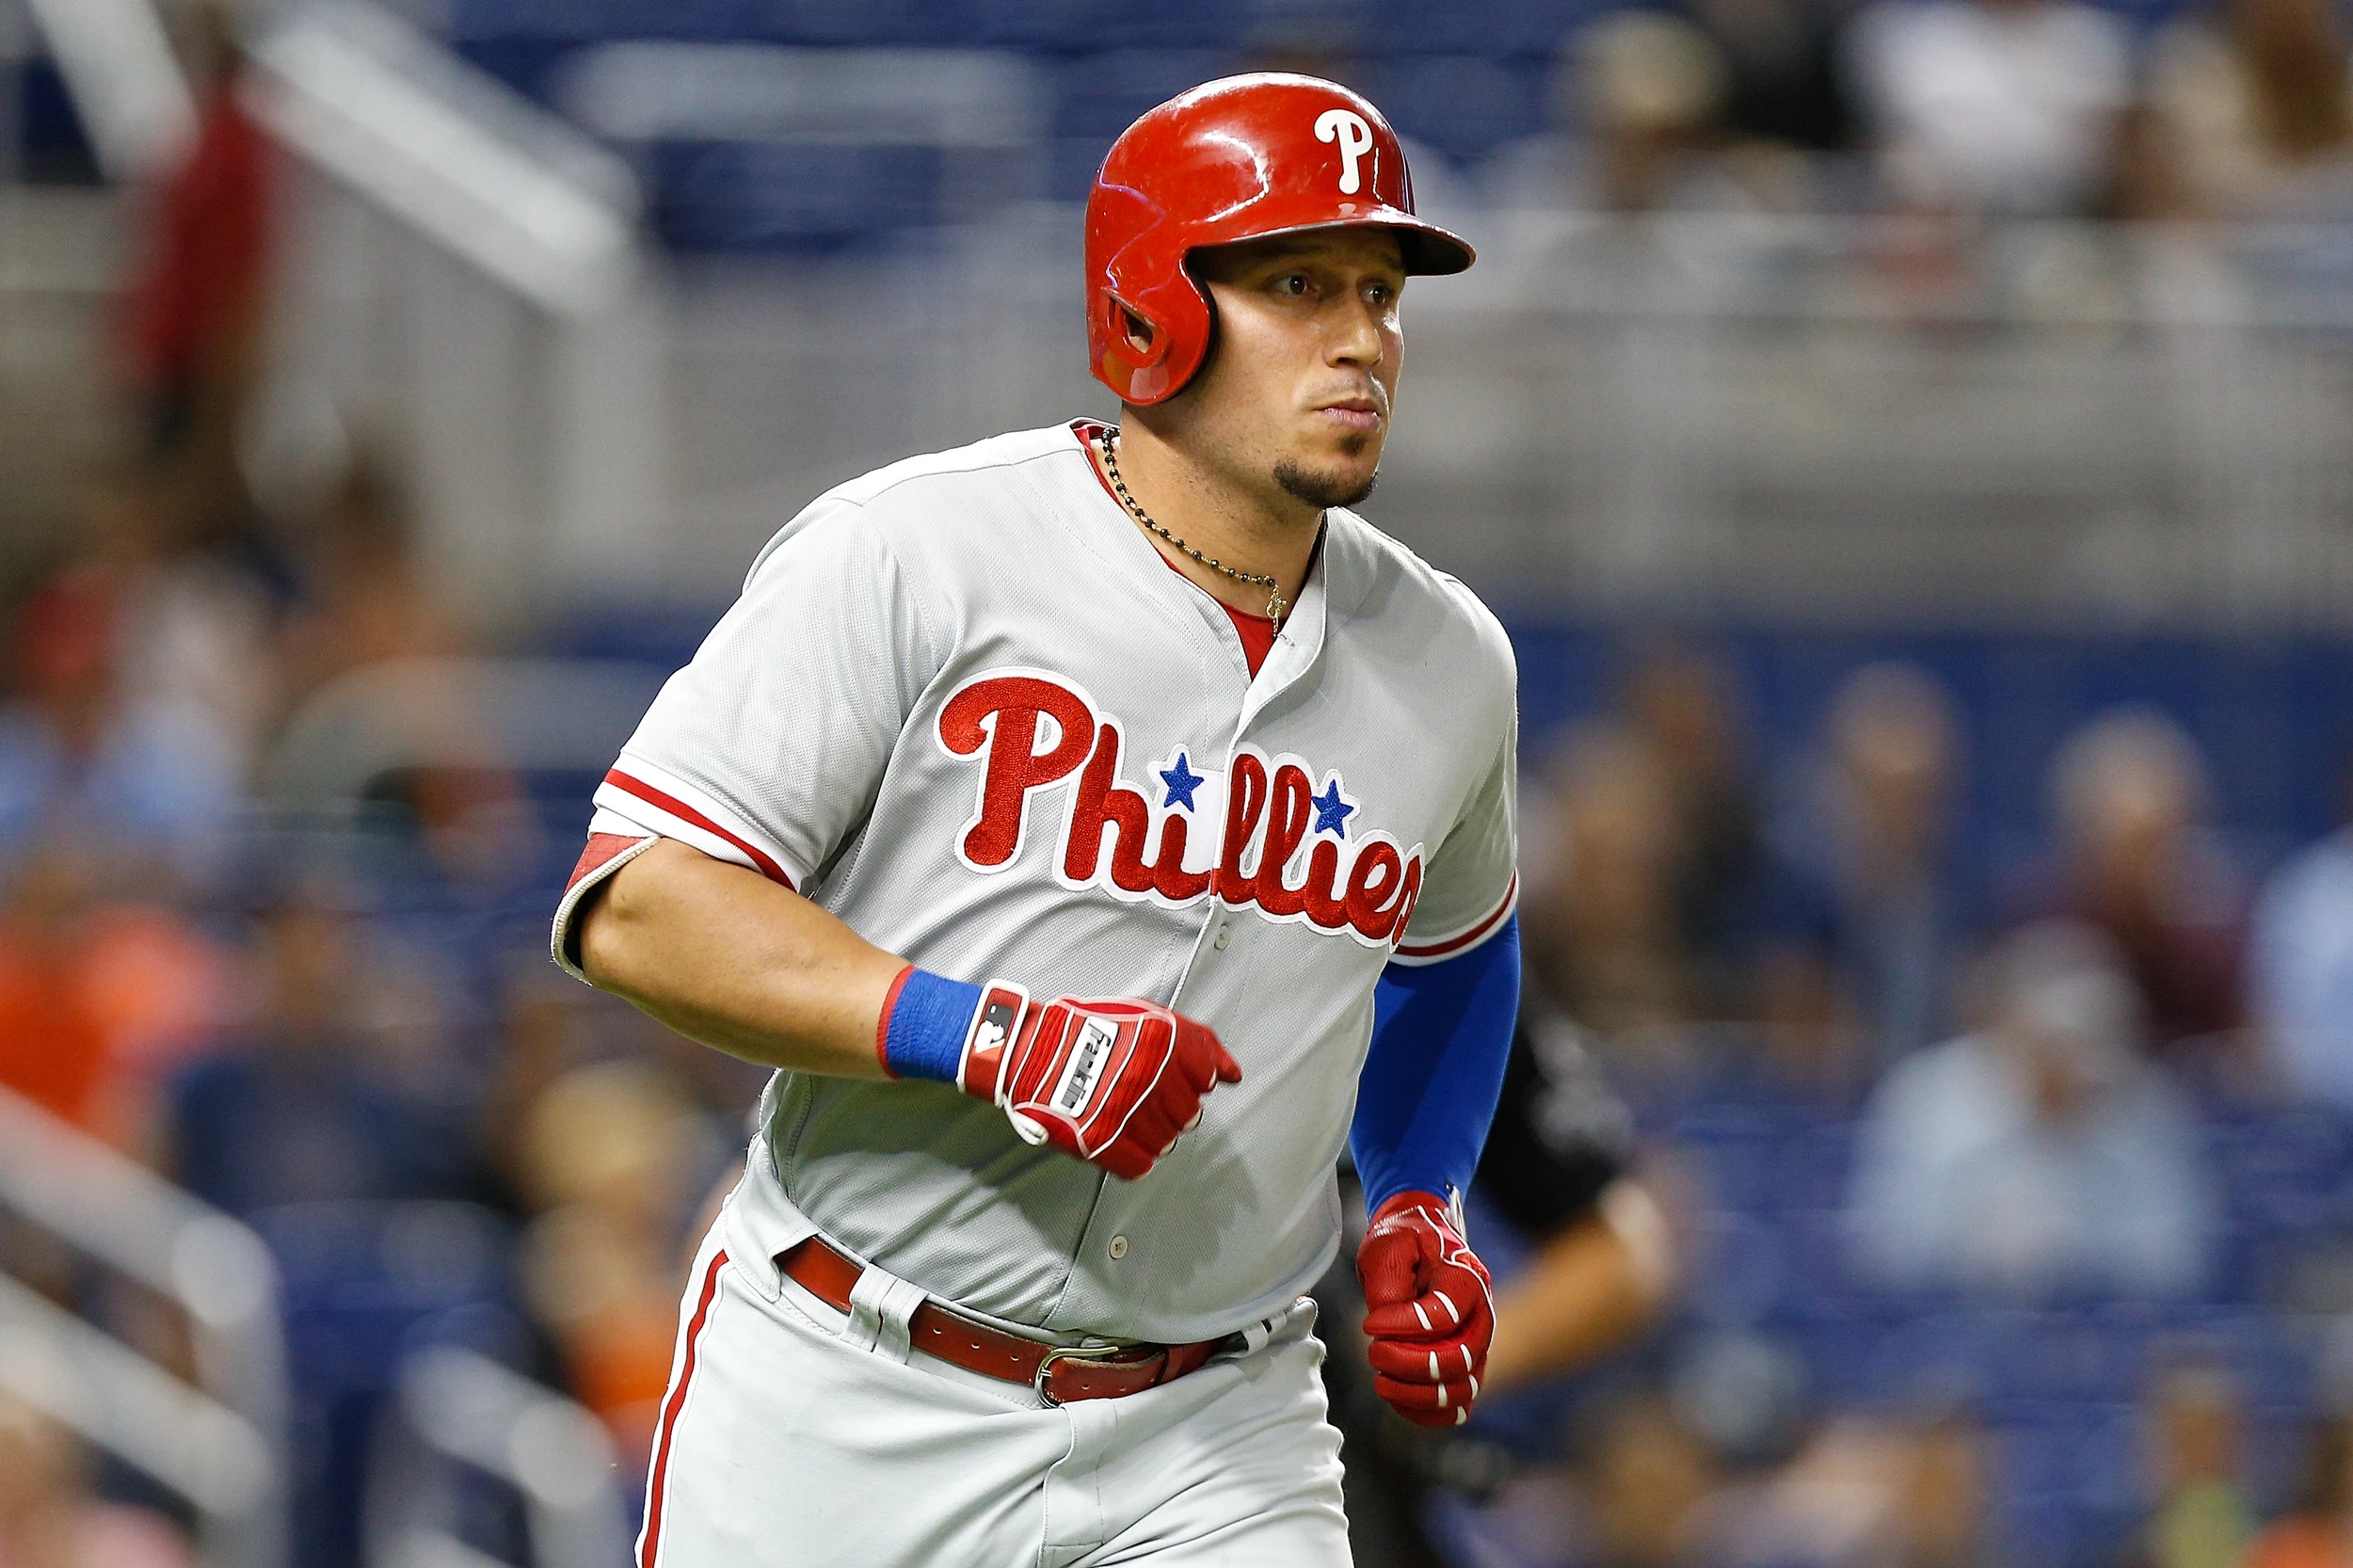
(1236, 159)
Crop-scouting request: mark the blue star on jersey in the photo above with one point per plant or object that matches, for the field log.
(1332, 813)
(1181, 781)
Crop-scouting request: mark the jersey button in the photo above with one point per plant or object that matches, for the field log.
(1119, 1247)
(1224, 933)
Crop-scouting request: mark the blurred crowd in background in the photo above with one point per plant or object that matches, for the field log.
(2011, 1183)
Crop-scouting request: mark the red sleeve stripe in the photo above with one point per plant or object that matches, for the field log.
(685, 813)
(650, 1543)
(1455, 944)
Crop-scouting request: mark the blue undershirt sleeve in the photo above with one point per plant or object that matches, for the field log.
(1441, 1037)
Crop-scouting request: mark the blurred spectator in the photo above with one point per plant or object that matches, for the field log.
(2317, 1531)
(1831, 1505)
(50, 1517)
(1645, 1476)
(2300, 965)
(2041, 1152)
(198, 300)
(1721, 107)
(1679, 705)
(193, 628)
(2254, 109)
(1556, 1166)
(371, 602)
(1605, 939)
(369, 598)
(298, 1108)
(147, 786)
(614, 1156)
(53, 1047)
(539, 1042)
(1784, 81)
(98, 1000)
(1877, 906)
(2136, 858)
(1993, 107)
(1940, 1502)
(2201, 1518)
(1649, 88)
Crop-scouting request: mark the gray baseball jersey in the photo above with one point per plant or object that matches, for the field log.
(966, 705)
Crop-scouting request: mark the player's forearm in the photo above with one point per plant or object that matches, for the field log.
(730, 958)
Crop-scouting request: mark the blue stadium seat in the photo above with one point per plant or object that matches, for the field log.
(1493, 28)
(1097, 96)
(870, 23)
(366, 1284)
(788, 196)
(1083, 26)
(529, 65)
(1810, 1170)
(1745, 1272)
(1462, 105)
(1814, 1242)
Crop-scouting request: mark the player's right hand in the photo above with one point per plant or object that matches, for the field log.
(1113, 1082)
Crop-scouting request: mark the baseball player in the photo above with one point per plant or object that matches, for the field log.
(1095, 827)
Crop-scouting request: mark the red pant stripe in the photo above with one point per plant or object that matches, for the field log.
(650, 1542)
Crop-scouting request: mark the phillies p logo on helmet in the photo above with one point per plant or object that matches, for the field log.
(1348, 128)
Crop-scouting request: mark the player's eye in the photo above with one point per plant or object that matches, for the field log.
(1295, 284)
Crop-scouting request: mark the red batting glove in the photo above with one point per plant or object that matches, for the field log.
(1431, 1314)
(1113, 1082)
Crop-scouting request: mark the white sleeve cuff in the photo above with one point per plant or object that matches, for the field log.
(1436, 950)
(660, 803)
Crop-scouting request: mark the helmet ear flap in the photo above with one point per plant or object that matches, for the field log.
(1179, 323)
(1124, 325)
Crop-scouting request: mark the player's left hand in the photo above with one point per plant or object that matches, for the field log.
(1430, 1315)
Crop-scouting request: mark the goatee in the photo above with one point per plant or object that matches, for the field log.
(1322, 490)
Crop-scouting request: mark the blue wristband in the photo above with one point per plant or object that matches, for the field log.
(928, 1018)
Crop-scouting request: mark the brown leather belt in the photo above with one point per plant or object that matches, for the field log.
(1060, 1374)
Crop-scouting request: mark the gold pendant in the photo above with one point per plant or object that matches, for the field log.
(1275, 604)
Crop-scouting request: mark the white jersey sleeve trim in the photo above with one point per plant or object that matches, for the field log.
(660, 803)
(622, 842)
(1440, 949)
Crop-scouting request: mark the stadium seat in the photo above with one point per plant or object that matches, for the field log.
(1500, 28)
(1097, 96)
(788, 196)
(364, 1283)
(1077, 27)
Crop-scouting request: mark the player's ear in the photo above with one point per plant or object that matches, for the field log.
(1136, 331)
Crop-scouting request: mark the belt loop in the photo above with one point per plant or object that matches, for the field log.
(880, 1306)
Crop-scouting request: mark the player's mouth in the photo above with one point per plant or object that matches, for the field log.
(1357, 416)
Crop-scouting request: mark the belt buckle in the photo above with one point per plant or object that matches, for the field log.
(1068, 1352)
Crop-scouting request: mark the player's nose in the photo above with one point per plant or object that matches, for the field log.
(1356, 338)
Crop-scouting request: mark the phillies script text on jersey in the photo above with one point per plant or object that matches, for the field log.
(1240, 836)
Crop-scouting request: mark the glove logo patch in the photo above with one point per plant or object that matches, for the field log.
(996, 1027)
(1084, 1070)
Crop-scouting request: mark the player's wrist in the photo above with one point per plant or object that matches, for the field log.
(949, 1031)
(1406, 1200)
(926, 1019)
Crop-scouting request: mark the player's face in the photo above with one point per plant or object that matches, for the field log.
(1299, 384)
